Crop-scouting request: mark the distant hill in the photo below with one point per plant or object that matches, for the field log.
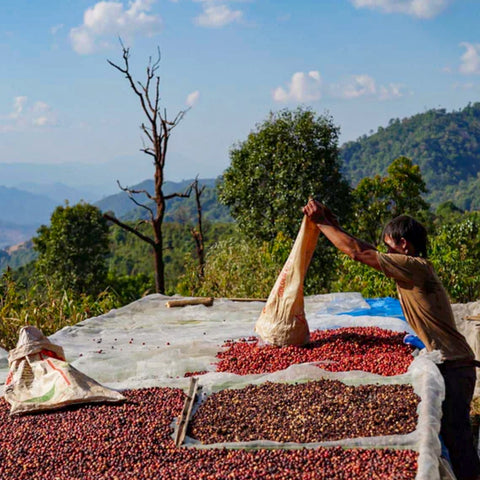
(24, 208)
(59, 192)
(13, 234)
(17, 256)
(178, 209)
(446, 146)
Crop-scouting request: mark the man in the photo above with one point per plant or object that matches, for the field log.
(427, 309)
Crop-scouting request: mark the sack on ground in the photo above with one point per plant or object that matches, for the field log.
(282, 321)
(40, 378)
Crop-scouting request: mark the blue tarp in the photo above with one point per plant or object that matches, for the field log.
(379, 307)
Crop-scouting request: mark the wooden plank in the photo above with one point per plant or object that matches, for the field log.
(186, 412)
(207, 301)
(247, 299)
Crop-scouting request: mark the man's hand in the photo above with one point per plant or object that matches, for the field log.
(320, 214)
(355, 248)
(315, 211)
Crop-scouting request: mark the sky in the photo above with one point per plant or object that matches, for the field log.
(230, 62)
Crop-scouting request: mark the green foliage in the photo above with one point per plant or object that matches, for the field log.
(445, 145)
(237, 267)
(448, 212)
(292, 155)
(46, 308)
(379, 199)
(73, 249)
(129, 288)
(455, 254)
(354, 276)
(131, 256)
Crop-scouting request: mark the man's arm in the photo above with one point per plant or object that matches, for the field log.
(353, 247)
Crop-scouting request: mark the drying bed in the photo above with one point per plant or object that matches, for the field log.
(316, 411)
(133, 440)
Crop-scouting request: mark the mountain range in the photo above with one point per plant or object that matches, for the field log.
(446, 146)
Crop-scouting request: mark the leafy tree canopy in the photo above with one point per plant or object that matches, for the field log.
(379, 199)
(290, 156)
(73, 249)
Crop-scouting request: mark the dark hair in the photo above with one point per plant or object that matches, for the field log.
(408, 228)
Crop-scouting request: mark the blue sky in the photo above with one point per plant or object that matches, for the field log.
(362, 61)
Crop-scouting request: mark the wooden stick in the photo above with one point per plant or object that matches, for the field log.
(247, 299)
(186, 412)
(473, 318)
(207, 301)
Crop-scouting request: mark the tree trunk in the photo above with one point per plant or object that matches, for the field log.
(157, 130)
(159, 267)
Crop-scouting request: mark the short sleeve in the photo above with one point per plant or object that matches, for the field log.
(396, 266)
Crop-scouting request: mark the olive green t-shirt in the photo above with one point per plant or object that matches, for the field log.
(425, 304)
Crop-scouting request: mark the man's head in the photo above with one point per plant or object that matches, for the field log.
(405, 235)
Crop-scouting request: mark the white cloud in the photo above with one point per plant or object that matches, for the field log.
(107, 19)
(470, 59)
(463, 86)
(24, 116)
(192, 98)
(56, 28)
(304, 87)
(41, 121)
(354, 87)
(415, 8)
(18, 106)
(217, 14)
(392, 90)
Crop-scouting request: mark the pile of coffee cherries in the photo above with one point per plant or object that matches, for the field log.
(369, 349)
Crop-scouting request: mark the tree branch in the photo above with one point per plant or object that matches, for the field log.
(129, 229)
(130, 194)
(185, 194)
(126, 72)
(130, 191)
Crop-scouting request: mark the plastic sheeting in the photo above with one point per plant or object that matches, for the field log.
(423, 375)
(382, 307)
(3, 358)
(146, 344)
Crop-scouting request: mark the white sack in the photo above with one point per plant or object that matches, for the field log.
(40, 378)
(282, 321)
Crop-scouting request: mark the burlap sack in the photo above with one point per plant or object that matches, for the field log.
(282, 321)
(40, 379)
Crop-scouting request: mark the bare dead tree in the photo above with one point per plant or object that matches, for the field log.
(197, 232)
(157, 129)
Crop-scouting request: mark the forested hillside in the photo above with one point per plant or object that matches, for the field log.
(446, 146)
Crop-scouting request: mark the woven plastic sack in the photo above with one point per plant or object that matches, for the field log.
(40, 378)
(282, 321)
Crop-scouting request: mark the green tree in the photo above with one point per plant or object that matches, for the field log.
(292, 155)
(455, 254)
(229, 266)
(379, 199)
(73, 249)
(448, 212)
